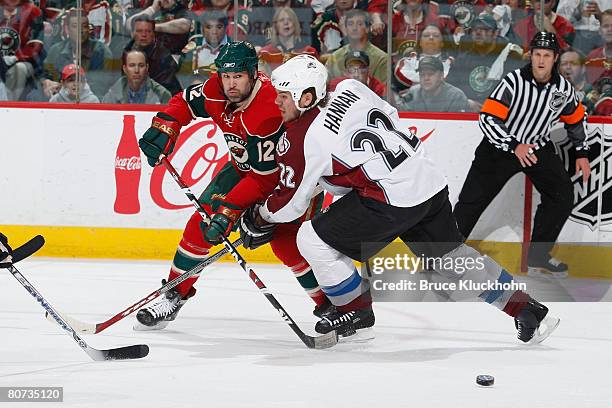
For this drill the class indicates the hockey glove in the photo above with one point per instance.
(6, 252)
(159, 138)
(254, 231)
(221, 224)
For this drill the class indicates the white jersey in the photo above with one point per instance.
(356, 143)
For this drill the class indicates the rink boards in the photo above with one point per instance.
(58, 180)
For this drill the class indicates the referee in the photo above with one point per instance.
(516, 120)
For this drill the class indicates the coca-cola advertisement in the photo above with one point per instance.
(198, 155)
(127, 170)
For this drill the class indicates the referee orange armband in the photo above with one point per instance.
(495, 108)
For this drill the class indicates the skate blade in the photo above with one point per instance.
(545, 273)
(550, 323)
(360, 336)
(141, 327)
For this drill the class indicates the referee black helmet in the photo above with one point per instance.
(545, 40)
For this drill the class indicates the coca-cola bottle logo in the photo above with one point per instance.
(127, 163)
(208, 153)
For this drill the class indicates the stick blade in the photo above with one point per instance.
(121, 353)
(78, 326)
(28, 249)
(324, 341)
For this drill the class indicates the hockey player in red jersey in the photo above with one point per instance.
(351, 143)
(241, 101)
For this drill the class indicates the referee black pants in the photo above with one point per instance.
(491, 170)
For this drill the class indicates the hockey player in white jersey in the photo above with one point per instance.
(350, 142)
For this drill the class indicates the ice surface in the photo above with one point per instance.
(229, 348)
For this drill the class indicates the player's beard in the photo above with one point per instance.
(240, 97)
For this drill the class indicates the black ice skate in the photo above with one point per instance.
(324, 309)
(356, 323)
(158, 315)
(551, 268)
(534, 324)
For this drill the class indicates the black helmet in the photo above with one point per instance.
(545, 40)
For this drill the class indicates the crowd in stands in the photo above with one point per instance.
(445, 56)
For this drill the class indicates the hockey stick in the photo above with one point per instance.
(91, 328)
(319, 342)
(121, 353)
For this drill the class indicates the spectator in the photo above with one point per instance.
(172, 23)
(71, 87)
(601, 58)
(584, 16)
(121, 36)
(356, 26)
(571, 66)
(482, 59)
(328, 28)
(410, 19)
(357, 64)
(52, 11)
(136, 87)
(22, 46)
(603, 107)
(553, 23)
(163, 66)
(286, 41)
(433, 94)
(430, 44)
(95, 56)
(99, 16)
(262, 13)
(239, 19)
(202, 49)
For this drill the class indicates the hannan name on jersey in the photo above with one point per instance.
(337, 108)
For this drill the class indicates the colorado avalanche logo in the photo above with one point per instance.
(593, 199)
(557, 101)
(283, 145)
(9, 41)
(238, 150)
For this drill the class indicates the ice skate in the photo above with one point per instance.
(534, 324)
(356, 325)
(324, 309)
(551, 268)
(158, 315)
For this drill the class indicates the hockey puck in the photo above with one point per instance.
(485, 380)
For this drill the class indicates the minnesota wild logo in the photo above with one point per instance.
(238, 150)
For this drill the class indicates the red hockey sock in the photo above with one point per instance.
(515, 304)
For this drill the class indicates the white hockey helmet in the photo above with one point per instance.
(299, 74)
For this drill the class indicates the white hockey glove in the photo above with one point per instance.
(6, 252)
(9, 60)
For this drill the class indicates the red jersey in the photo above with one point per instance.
(374, 84)
(274, 56)
(526, 29)
(25, 29)
(596, 63)
(251, 130)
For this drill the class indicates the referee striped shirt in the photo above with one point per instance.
(521, 110)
